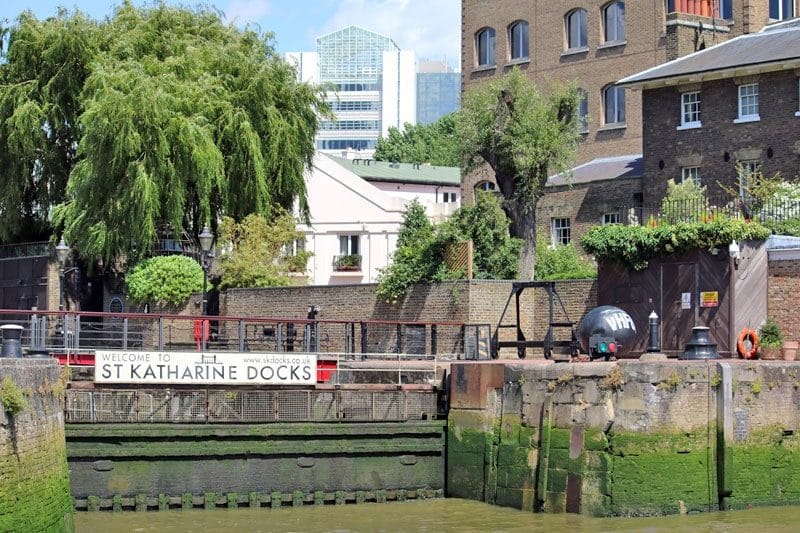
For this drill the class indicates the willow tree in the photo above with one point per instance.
(522, 137)
(172, 120)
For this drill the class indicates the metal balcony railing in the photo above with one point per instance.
(347, 263)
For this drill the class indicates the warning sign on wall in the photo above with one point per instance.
(709, 299)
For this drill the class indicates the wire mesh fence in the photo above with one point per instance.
(238, 406)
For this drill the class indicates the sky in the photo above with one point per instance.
(432, 28)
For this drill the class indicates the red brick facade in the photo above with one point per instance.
(784, 286)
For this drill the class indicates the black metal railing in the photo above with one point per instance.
(347, 263)
(702, 210)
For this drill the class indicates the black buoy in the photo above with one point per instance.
(700, 346)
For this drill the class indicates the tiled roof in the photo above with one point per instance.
(776, 47)
(371, 170)
(602, 168)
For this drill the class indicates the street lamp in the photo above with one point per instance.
(206, 239)
(62, 253)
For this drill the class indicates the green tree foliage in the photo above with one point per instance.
(164, 280)
(634, 246)
(522, 136)
(562, 262)
(432, 143)
(259, 253)
(684, 202)
(156, 117)
(419, 256)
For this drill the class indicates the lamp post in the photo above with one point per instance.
(62, 253)
(206, 239)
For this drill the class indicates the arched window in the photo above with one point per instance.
(614, 22)
(583, 110)
(614, 104)
(485, 186)
(518, 39)
(484, 46)
(576, 29)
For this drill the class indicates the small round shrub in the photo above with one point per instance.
(165, 280)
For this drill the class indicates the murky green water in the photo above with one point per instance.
(432, 515)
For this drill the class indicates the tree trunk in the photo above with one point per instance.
(523, 226)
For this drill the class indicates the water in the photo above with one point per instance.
(427, 516)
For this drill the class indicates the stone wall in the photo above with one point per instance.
(625, 438)
(34, 481)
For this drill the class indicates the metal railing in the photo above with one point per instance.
(699, 210)
(236, 406)
(345, 263)
(69, 332)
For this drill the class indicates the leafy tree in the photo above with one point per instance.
(164, 280)
(684, 202)
(522, 137)
(156, 117)
(259, 253)
(420, 249)
(432, 143)
(562, 262)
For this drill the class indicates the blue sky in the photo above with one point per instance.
(429, 27)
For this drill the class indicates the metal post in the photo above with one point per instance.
(654, 343)
(433, 339)
(364, 340)
(241, 335)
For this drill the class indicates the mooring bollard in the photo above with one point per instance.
(11, 341)
(654, 344)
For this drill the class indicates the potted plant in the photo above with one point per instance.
(789, 350)
(771, 339)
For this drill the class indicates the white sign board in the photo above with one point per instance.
(686, 300)
(205, 368)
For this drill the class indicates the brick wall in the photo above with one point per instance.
(34, 481)
(772, 140)
(783, 285)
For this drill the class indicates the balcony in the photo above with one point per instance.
(347, 263)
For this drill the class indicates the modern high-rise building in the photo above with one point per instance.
(372, 87)
(438, 90)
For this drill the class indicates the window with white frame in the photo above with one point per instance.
(614, 105)
(726, 9)
(560, 231)
(295, 247)
(690, 110)
(690, 174)
(349, 244)
(576, 29)
(485, 186)
(583, 110)
(781, 9)
(448, 197)
(748, 170)
(484, 47)
(614, 22)
(609, 218)
(518, 40)
(748, 102)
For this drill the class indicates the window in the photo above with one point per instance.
(561, 233)
(614, 102)
(609, 218)
(748, 102)
(747, 171)
(797, 113)
(484, 47)
(690, 173)
(614, 22)
(583, 111)
(781, 9)
(576, 29)
(448, 197)
(518, 40)
(348, 244)
(726, 9)
(690, 110)
(485, 186)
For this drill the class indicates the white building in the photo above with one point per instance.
(357, 209)
(374, 87)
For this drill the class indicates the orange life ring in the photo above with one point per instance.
(752, 336)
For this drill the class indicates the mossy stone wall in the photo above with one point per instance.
(34, 480)
(630, 438)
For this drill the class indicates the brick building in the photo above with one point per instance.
(735, 102)
(597, 43)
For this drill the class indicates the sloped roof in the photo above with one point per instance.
(776, 47)
(371, 170)
(602, 168)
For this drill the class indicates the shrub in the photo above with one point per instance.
(771, 335)
(165, 280)
(12, 398)
(561, 262)
(684, 202)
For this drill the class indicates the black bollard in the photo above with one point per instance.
(654, 344)
(11, 341)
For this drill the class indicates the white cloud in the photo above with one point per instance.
(242, 12)
(432, 28)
